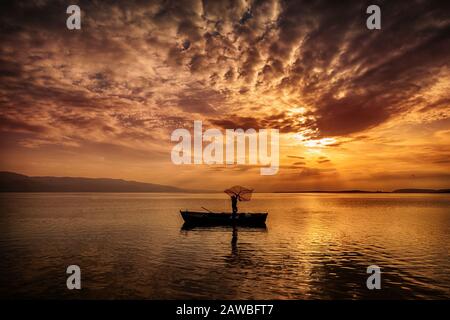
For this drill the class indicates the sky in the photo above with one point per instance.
(356, 108)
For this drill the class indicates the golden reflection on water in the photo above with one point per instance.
(315, 246)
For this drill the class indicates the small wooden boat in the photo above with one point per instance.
(223, 218)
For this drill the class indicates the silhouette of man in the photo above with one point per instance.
(234, 200)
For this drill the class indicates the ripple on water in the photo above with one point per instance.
(314, 247)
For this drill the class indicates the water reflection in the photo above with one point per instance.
(131, 246)
(242, 255)
(187, 227)
(234, 239)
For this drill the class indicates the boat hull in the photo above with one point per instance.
(224, 218)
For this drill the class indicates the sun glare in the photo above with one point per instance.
(319, 143)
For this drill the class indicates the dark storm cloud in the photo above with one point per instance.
(203, 101)
(386, 67)
(230, 62)
(281, 121)
(9, 124)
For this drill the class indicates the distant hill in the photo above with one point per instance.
(339, 191)
(422, 191)
(363, 191)
(350, 191)
(14, 182)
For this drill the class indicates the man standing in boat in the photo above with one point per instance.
(238, 193)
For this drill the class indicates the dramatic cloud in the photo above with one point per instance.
(138, 69)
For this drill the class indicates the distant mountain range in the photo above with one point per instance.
(364, 191)
(14, 182)
(422, 191)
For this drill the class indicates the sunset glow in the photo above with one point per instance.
(355, 108)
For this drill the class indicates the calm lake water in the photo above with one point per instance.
(315, 246)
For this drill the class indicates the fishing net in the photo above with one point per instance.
(242, 193)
